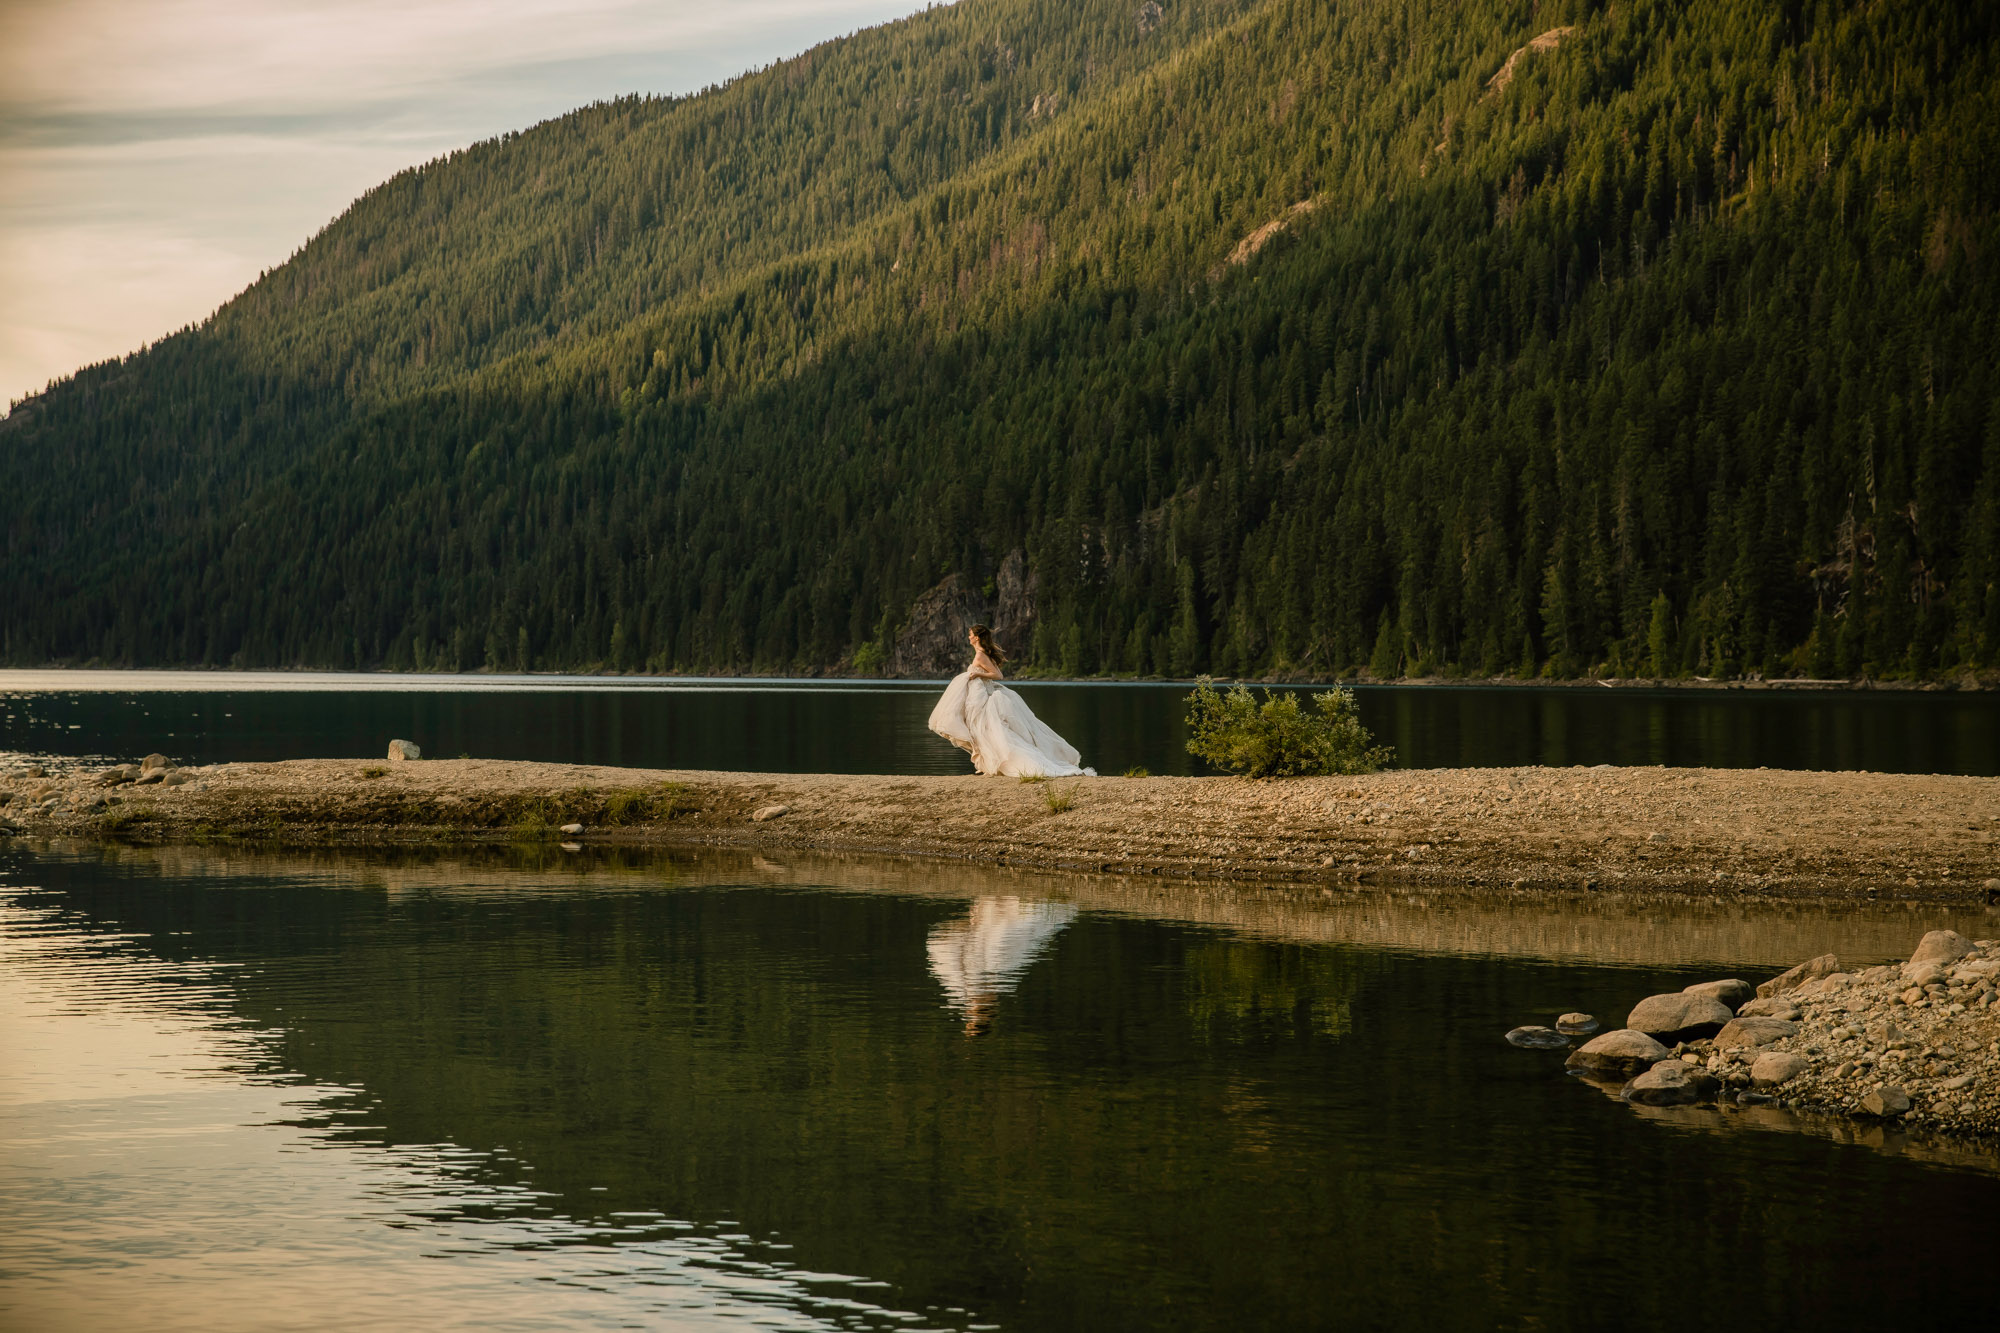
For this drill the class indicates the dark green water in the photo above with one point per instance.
(684, 1094)
(879, 726)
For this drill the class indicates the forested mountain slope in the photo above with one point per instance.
(1279, 336)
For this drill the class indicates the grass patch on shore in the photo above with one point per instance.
(1059, 799)
(538, 818)
(534, 828)
(648, 805)
(127, 819)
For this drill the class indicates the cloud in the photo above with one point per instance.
(156, 155)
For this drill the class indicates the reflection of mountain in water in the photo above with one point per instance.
(982, 955)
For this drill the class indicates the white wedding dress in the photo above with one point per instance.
(1002, 734)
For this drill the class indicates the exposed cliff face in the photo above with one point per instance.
(932, 641)
(1014, 615)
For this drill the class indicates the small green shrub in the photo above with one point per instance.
(1027, 778)
(1277, 738)
(1137, 772)
(1059, 799)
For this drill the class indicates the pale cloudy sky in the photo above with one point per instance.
(156, 155)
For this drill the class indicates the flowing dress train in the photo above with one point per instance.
(1002, 734)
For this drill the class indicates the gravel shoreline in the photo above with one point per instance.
(1705, 831)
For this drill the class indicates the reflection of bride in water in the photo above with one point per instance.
(980, 956)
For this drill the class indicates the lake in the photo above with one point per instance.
(517, 1089)
(879, 726)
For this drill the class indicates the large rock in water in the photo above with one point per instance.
(1940, 948)
(1753, 1032)
(1681, 1015)
(1732, 992)
(1812, 969)
(1537, 1038)
(1619, 1054)
(1671, 1083)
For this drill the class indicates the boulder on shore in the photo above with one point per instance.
(1940, 948)
(1679, 1015)
(405, 750)
(1620, 1054)
(1810, 970)
(1777, 1006)
(1753, 1032)
(1733, 992)
(1886, 1101)
(1774, 1068)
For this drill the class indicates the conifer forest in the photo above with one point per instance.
(1267, 338)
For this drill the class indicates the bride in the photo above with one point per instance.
(992, 723)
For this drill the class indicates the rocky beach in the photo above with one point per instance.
(1916, 1042)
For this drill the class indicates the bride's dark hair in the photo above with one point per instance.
(984, 634)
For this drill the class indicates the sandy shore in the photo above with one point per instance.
(1700, 831)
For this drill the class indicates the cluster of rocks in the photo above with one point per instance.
(153, 768)
(1917, 1041)
(53, 791)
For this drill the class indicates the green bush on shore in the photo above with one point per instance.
(1277, 738)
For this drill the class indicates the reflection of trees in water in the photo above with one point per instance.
(1238, 992)
(982, 955)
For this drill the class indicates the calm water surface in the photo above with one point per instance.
(879, 726)
(498, 1092)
